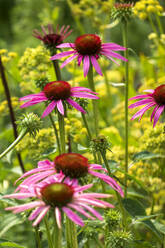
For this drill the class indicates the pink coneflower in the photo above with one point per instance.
(154, 98)
(87, 49)
(61, 196)
(72, 165)
(58, 92)
(52, 38)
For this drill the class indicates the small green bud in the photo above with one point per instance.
(112, 218)
(118, 239)
(122, 11)
(100, 144)
(30, 122)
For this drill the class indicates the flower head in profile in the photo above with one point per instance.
(56, 93)
(87, 49)
(71, 165)
(154, 98)
(52, 38)
(60, 195)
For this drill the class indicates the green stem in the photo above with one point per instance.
(56, 133)
(50, 243)
(57, 70)
(62, 131)
(86, 125)
(38, 239)
(57, 236)
(18, 139)
(152, 24)
(125, 41)
(71, 234)
(123, 212)
(106, 163)
(94, 102)
(98, 242)
(159, 24)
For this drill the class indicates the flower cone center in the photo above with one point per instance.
(159, 94)
(57, 90)
(52, 39)
(88, 44)
(57, 194)
(73, 165)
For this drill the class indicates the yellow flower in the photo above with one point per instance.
(12, 54)
(3, 51)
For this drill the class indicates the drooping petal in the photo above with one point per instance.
(41, 215)
(49, 109)
(141, 102)
(84, 95)
(61, 55)
(80, 210)
(68, 60)
(142, 111)
(150, 91)
(30, 103)
(109, 57)
(140, 96)
(93, 211)
(60, 107)
(115, 55)
(58, 217)
(96, 65)
(82, 188)
(157, 114)
(32, 96)
(77, 89)
(79, 59)
(113, 46)
(63, 45)
(23, 207)
(86, 64)
(76, 105)
(74, 217)
(35, 213)
(154, 111)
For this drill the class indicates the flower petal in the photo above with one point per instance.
(76, 105)
(63, 45)
(41, 215)
(86, 64)
(96, 65)
(49, 109)
(58, 217)
(68, 60)
(141, 102)
(74, 217)
(61, 55)
(84, 95)
(157, 114)
(142, 111)
(60, 107)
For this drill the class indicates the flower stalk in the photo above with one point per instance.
(56, 133)
(50, 243)
(125, 41)
(71, 234)
(57, 236)
(11, 111)
(95, 105)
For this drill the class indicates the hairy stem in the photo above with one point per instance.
(11, 111)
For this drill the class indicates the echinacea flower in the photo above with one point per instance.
(61, 196)
(87, 49)
(58, 92)
(72, 165)
(154, 98)
(52, 38)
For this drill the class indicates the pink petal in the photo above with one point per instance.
(84, 95)
(154, 111)
(30, 103)
(115, 55)
(61, 55)
(140, 96)
(82, 188)
(76, 105)
(157, 114)
(68, 60)
(109, 57)
(21, 208)
(41, 215)
(96, 65)
(60, 107)
(49, 109)
(58, 217)
(74, 217)
(77, 89)
(80, 210)
(80, 57)
(63, 45)
(35, 213)
(113, 46)
(142, 111)
(86, 64)
(93, 211)
(150, 91)
(141, 102)
(32, 96)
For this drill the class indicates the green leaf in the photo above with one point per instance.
(159, 226)
(9, 244)
(144, 155)
(136, 210)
